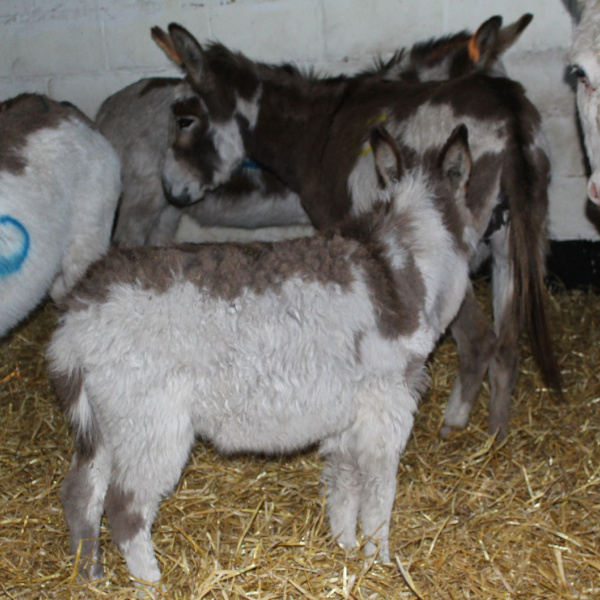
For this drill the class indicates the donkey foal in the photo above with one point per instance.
(263, 348)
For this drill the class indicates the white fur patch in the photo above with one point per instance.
(230, 149)
(362, 184)
(250, 108)
(431, 126)
(65, 200)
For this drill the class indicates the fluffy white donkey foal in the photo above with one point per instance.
(264, 347)
(59, 187)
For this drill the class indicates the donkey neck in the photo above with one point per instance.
(291, 136)
(292, 126)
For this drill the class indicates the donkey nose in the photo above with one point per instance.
(179, 200)
(593, 192)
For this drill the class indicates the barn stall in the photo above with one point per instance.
(472, 518)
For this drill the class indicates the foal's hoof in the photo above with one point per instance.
(447, 430)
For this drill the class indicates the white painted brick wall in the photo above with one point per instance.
(84, 50)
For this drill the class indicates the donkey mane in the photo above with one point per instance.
(421, 53)
(226, 60)
(436, 48)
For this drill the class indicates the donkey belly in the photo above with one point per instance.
(252, 374)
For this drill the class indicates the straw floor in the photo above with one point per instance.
(472, 519)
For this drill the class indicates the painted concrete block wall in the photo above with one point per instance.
(83, 50)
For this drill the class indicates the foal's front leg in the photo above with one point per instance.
(341, 477)
(381, 434)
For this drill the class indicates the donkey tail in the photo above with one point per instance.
(526, 181)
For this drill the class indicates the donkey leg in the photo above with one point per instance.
(142, 201)
(340, 474)
(376, 502)
(151, 460)
(164, 227)
(82, 495)
(475, 342)
(504, 366)
(131, 517)
(504, 372)
(382, 431)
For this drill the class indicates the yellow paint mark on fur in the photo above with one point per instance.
(366, 149)
(372, 121)
(377, 119)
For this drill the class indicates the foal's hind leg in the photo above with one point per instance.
(82, 495)
(475, 341)
(131, 515)
(151, 460)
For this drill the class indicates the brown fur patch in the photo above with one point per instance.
(222, 270)
(484, 176)
(24, 115)
(76, 493)
(225, 270)
(397, 295)
(125, 523)
(67, 387)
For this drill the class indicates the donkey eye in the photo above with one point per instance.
(582, 78)
(185, 122)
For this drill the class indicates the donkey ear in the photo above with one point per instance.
(511, 33)
(575, 7)
(388, 159)
(483, 42)
(189, 52)
(455, 159)
(163, 40)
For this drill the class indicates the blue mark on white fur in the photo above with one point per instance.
(14, 245)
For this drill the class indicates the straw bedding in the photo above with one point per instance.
(472, 518)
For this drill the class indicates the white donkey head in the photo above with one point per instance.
(584, 56)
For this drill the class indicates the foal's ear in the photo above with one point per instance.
(455, 159)
(508, 35)
(483, 42)
(387, 155)
(185, 50)
(163, 41)
(489, 41)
